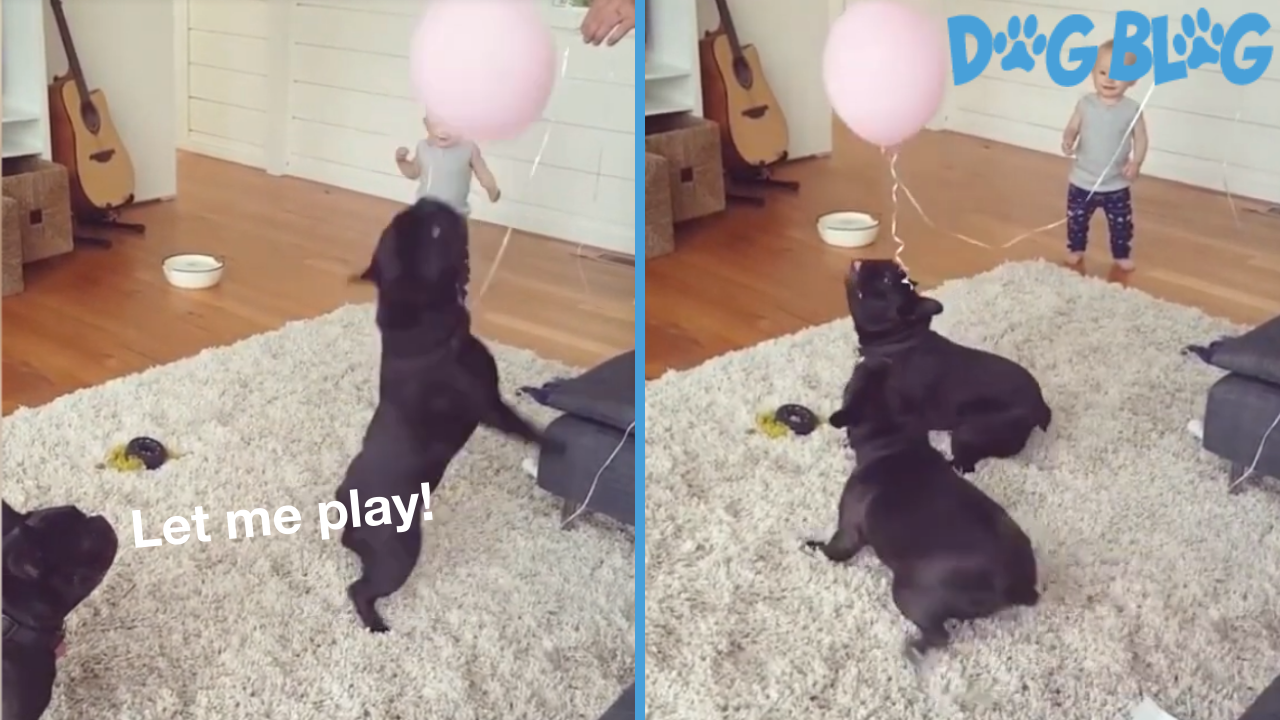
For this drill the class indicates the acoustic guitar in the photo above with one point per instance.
(84, 138)
(738, 98)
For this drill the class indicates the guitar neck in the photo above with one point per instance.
(726, 24)
(73, 58)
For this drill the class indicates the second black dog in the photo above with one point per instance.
(955, 554)
(54, 558)
(438, 383)
(988, 403)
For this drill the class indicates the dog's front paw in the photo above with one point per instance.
(964, 467)
(379, 628)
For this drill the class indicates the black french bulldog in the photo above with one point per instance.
(54, 558)
(988, 403)
(955, 554)
(437, 384)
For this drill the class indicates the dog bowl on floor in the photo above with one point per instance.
(848, 229)
(193, 271)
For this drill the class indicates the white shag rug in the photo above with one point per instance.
(506, 615)
(1156, 582)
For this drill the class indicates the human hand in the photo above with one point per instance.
(1131, 170)
(402, 154)
(609, 20)
(494, 193)
(1068, 145)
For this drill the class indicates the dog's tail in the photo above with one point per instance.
(1045, 416)
(1027, 596)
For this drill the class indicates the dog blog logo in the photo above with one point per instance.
(1194, 42)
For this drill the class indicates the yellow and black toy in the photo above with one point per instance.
(789, 419)
(140, 453)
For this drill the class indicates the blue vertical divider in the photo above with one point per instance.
(640, 36)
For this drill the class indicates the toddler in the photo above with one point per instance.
(1097, 129)
(443, 165)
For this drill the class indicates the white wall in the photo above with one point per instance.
(320, 89)
(224, 55)
(1191, 121)
(789, 37)
(126, 50)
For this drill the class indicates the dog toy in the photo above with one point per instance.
(140, 453)
(790, 418)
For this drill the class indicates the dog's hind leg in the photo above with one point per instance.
(927, 608)
(384, 571)
(998, 435)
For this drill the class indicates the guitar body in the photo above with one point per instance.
(736, 96)
(98, 164)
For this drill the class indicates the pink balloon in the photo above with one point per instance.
(885, 69)
(483, 68)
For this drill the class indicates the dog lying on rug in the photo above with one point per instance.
(437, 384)
(988, 403)
(955, 554)
(54, 558)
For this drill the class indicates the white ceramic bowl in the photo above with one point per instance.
(193, 271)
(848, 229)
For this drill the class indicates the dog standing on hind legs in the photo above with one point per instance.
(955, 554)
(437, 384)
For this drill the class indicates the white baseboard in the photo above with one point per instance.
(523, 217)
(526, 218)
(223, 149)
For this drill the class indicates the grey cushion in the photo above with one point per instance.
(1267, 705)
(606, 393)
(624, 708)
(1256, 354)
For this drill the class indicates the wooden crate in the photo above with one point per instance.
(659, 224)
(43, 192)
(691, 146)
(11, 279)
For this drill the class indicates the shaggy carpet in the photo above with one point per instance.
(1156, 582)
(506, 615)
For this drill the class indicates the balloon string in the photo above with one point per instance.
(893, 217)
(897, 183)
(533, 170)
(1226, 186)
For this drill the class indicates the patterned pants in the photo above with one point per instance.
(1118, 207)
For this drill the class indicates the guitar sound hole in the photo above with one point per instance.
(35, 218)
(742, 73)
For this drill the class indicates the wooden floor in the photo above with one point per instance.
(752, 274)
(290, 247)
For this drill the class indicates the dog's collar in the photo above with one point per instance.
(21, 633)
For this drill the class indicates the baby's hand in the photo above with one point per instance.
(1131, 170)
(402, 154)
(1068, 145)
(494, 193)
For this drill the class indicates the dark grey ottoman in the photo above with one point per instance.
(1267, 706)
(624, 708)
(1243, 406)
(596, 440)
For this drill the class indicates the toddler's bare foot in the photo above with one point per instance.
(1126, 265)
(1074, 259)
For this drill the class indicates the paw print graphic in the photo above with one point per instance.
(1018, 56)
(1203, 52)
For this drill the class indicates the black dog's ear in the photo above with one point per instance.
(370, 274)
(925, 308)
